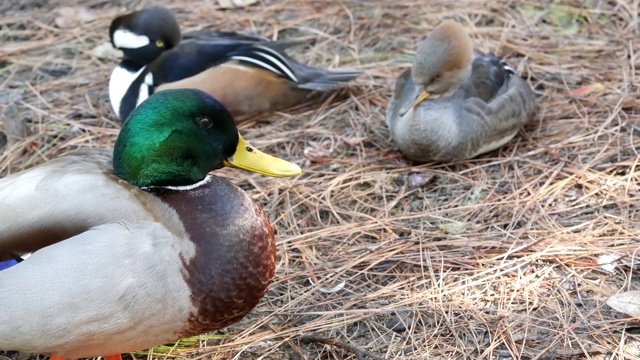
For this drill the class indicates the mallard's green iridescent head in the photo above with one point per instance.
(176, 137)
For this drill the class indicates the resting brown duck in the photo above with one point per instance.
(454, 104)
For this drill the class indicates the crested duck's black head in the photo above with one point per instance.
(143, 35)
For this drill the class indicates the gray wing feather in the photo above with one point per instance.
(59, 299)
(490, 125)
(63, 198)
(517, 102)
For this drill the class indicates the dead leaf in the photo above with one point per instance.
(315, 151)
(234, 4)
(626, 302)
(454, 228)
(563, 20)
(334, 289)
(417, 180)
(106, 51)
(353, 141)
(585, 90)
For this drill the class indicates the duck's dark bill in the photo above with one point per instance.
(249, 158)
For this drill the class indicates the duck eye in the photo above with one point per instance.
(159, 43)
(205, 122)
(436, 78)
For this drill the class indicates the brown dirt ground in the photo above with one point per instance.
(492, 258)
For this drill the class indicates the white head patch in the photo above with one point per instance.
(126, 39)
(119, 83)
(149, 79)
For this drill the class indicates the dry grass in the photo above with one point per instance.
(493, 258)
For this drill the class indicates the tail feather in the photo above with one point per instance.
(209, 35)
(282, 45)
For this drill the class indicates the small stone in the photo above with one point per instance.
(14, 125)
(234, 4)
(454, 228)
(417, 180)
(399, 323)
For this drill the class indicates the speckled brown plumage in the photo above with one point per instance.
(235, 253)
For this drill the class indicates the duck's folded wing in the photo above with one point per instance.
(509, 100)
(272, 57)
(517, 100)
(60, 199)
(108, 287)
(222, 36)
(491, 125)
(201, 53)
(488, 76)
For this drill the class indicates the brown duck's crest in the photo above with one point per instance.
(234, 258)
(456, 38)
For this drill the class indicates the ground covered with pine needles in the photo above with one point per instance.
(499, 257)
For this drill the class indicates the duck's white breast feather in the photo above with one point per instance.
(120, 81)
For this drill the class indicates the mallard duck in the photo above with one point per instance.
(138, 247)
(248, 74)
(453, 104)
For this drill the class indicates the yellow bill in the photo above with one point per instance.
(249, 158)
(422, 96)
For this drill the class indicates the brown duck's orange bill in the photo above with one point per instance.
(422, 96)
(249, 158)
